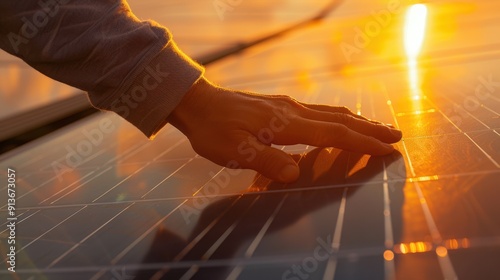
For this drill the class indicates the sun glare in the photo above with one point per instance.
(414, 33)
(416, 18)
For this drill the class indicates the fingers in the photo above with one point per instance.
(342, 110)
(272, 163)
(329, 134)
(334, 109)
(360, 125)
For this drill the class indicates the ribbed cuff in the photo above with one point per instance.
(157, 90)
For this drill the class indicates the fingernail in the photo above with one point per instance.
(390, 125)
(289, 173)
(396, 132)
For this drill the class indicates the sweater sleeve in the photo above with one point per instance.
(126, 65)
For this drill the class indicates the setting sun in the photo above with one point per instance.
(414, 31)
(416, 18)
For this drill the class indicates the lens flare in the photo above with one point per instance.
(414, 33)
(416, 18)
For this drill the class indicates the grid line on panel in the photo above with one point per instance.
(209, 180)
(107, 146)
(133, 151)
(52, 228)
(331, 265)
(40, 156)
(258, 238)
(19, 179)
(87, 159)
(389, 237)
(139, 239)
(483, 105)
(466, 134)
(171, 148)
(445, 134)
(80, 184)
(167, 177)
(54, 262)
(444, 261)
(483, 151)
(63, 137)
(195, 240)
(409, 179)
(45, 183)
(56, 176)
(206, 256)
(22, 220)
(490, 110)
(113, 187)
(226, 233)
(130, 152)
(32, 160)
(482, 242)
(202, 234)
(363, 71)
(162, 160)
(38, 172)
(389, 266)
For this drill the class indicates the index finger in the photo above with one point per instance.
(328, 134)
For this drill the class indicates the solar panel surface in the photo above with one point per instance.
(129, 207)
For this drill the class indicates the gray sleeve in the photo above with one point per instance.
(126, 65)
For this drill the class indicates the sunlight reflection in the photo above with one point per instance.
(414, 31)
(388, 255)
(457, 243)
(441, 251)
(423, 246)
(414, 247)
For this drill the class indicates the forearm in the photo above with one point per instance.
(126, 65)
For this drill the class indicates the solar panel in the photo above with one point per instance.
(133, 208)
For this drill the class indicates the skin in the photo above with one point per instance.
(225, 125)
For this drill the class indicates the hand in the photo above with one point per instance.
(236, 129)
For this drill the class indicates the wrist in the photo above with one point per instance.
(193, 105)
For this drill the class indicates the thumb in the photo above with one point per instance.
(274, 164)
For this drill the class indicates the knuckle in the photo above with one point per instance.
(344, 110)
(344, 119)
(288, 101)
(284, 97)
